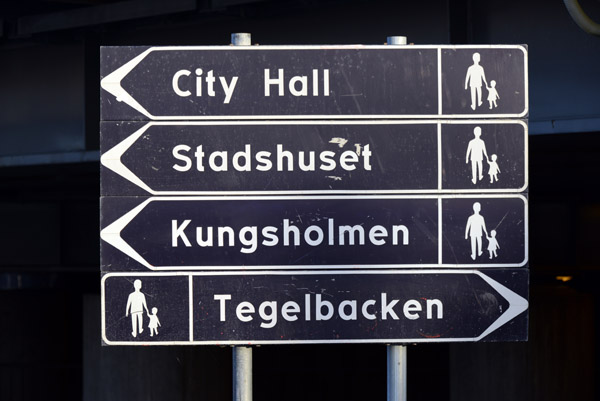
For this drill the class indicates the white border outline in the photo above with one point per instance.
(439, 161)
(517, 305)
(112, 82)
(191, 306)
(112, 234)
(111, 159)
(439, 77)
(440, 233)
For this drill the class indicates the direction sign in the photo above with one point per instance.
(258, 82)
(314, 307)
(302, 157)
(240, 233)
(336, 165)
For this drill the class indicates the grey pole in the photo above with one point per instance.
(396, 373)
(242, 356)
(396, 354)
(241, 39)
(242, 373)
(396, 40)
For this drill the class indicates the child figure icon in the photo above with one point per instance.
(493, 245)
(154, 322)
(492, 94)
(494, 169)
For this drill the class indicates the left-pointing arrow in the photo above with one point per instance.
(112, 159)
(112, 234)
(112, 83)
(312, 232)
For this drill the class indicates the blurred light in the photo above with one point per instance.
(564, 279)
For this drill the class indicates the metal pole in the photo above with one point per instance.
(396, 373)
(241, 39)
(242, 373)
(242, 356)
(396, 354)
(396, 40)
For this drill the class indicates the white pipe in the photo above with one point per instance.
(396, 40)
(242, 373)
(396, 372)
(241, 39)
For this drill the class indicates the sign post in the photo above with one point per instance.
(314, 194)
(242, 356)
(396, 354)
(397, 369)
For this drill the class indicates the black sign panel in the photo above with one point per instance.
(313, 232)
(317, 158)
(320, 307)
(491, 81)
(481, 156)
(130, 302)
(191, 83)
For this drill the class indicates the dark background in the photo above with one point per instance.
(49, 190)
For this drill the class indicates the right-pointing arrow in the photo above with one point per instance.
(517, 305)
(398, 306)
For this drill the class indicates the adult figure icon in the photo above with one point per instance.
(475, 152)
(475, 229)
(136, 303)
(475, 79)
